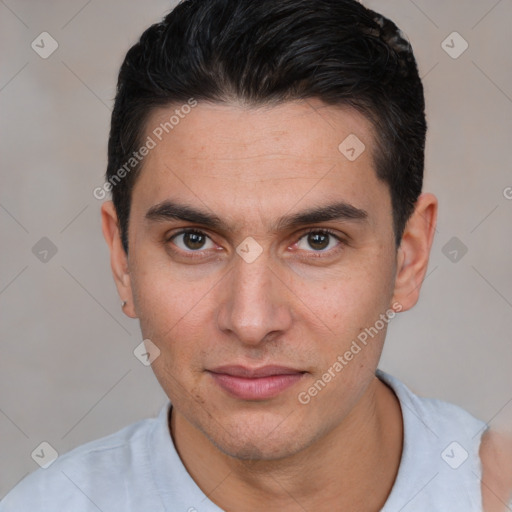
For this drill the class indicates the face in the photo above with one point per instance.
(258, 253)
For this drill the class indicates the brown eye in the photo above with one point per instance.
(192, 241)
(319, 241)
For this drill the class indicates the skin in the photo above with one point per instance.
(295, 305)
(496, 457)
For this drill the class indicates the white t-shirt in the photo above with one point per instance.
(138, 469)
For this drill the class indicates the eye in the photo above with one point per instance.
(318, 240)
(192, 241)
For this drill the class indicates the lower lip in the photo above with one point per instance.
(261, 388)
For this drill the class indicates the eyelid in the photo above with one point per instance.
(184, 231)
(321, 230)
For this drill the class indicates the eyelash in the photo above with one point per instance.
(315, 254)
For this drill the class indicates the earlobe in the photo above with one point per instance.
(118, 257)
(414, 251)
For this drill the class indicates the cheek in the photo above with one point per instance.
(171, 311)
(351, 343)
(350, 298)
(172, 316)
(166, 294)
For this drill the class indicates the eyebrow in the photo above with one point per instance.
(342, 211)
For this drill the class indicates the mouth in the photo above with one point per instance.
(256, 384)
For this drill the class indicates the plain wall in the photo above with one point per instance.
(68, 373)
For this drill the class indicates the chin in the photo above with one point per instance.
(257, 449)
(261, 442)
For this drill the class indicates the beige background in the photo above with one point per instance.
(68, 374)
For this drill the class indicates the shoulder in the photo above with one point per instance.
(437, 416)
(440, 454)
(77, 480)
(496, 456)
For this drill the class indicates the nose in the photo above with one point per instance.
(255, 302)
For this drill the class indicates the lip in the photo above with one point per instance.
(255, 383)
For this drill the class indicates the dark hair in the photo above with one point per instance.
(266, 51)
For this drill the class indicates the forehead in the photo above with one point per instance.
(297, 129)
(261, 157)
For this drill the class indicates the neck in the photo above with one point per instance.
(353, 467)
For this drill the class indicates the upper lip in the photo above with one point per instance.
(252, 373)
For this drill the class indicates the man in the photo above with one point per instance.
(266, 164)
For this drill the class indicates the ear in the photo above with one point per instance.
(414, 251)
(118, 257)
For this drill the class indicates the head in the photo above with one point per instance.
(287, 140)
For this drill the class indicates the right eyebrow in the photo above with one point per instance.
(170, 210)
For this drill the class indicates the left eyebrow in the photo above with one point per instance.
(341, 211)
